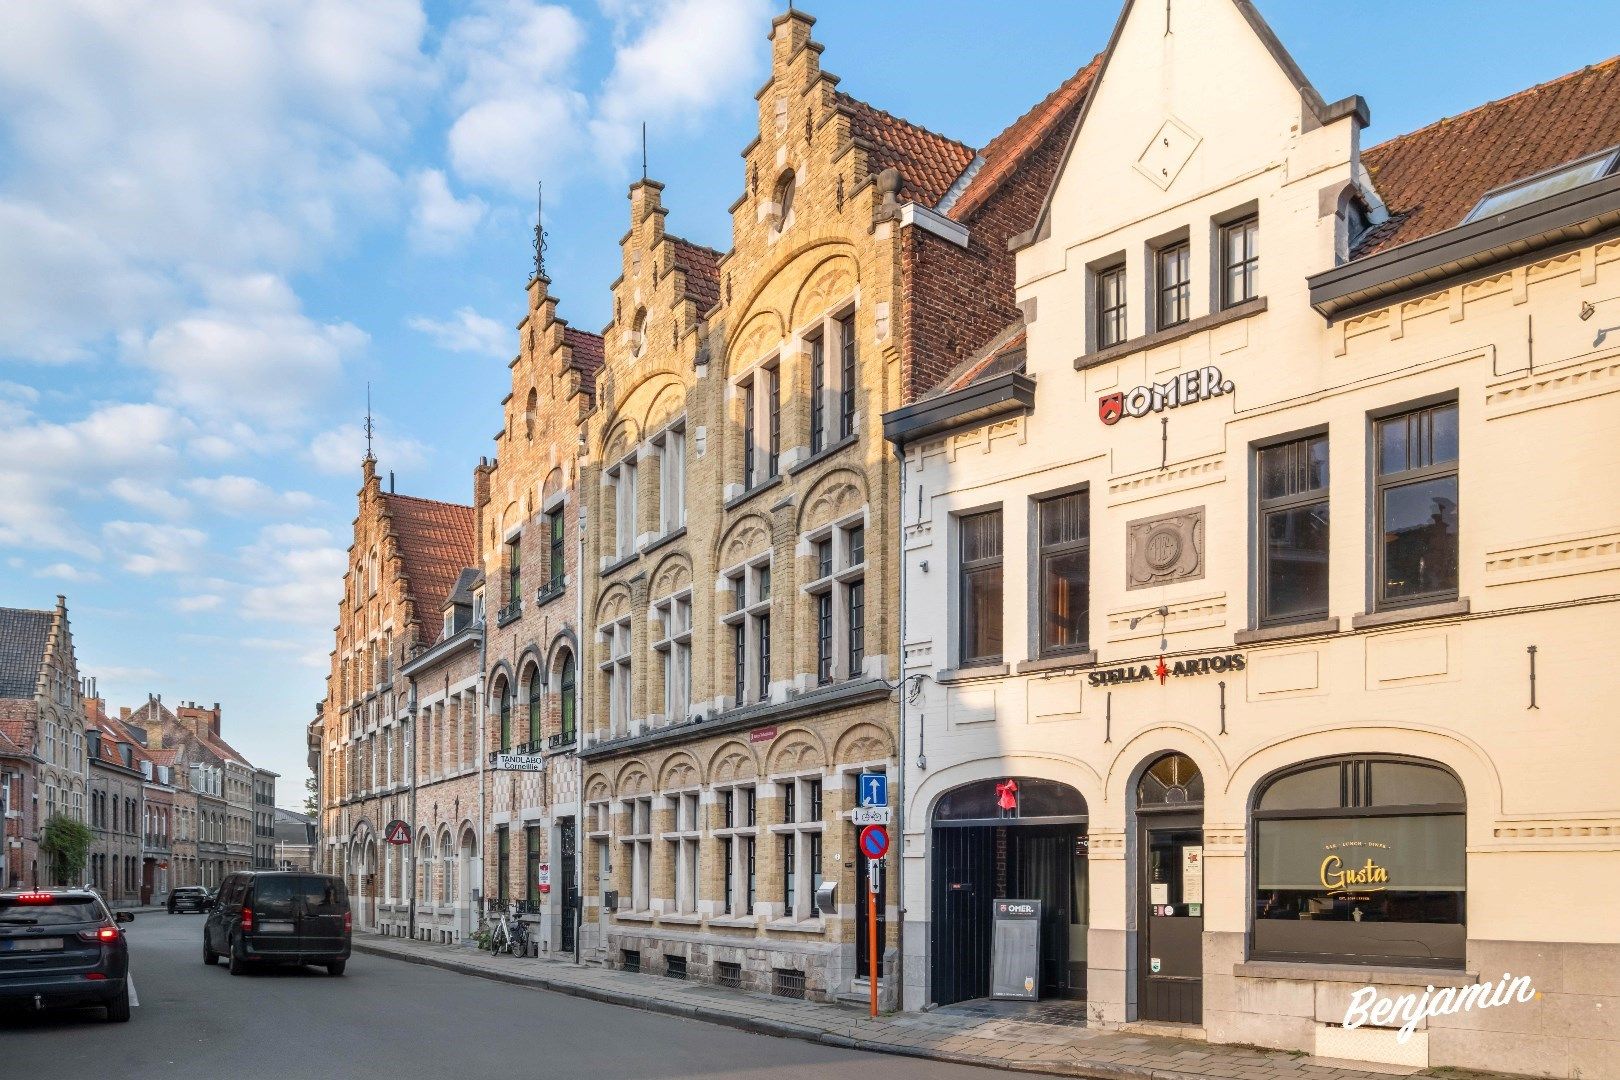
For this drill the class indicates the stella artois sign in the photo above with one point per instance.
(1199, 384)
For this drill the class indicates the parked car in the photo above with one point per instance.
(188, 898)
(62, 947)
(277, 917)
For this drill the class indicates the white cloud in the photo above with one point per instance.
(439, 220)
(150, 497)
(517, 116)
(245, 495)
(67, 572)
(200, 602)
(250, 352)
(144, 548)
(339, 451)
(301, 569)
(467, 332)
(675, 60)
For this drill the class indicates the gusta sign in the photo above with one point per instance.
(1199, 384)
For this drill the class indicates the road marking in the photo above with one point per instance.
(134, 998)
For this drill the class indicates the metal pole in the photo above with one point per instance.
(873, 868)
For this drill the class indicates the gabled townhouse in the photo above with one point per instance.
(1260, 574)
(530, 527)
(743, 662)
(117, 806)
(43, 766)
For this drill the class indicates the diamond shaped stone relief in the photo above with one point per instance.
(1168, 152)
(1163, 549)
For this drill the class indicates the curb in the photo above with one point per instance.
(776, 1028)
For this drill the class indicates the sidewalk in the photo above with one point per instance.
(991, 1037)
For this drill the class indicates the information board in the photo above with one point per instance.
(1015, 950)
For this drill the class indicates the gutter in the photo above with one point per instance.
(1567, 219)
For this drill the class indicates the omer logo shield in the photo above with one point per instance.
(1198, 384)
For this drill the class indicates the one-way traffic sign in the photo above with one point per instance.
(874, 789)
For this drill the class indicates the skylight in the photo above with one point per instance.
(1569, 175)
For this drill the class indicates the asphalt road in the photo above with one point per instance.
(393, 1021)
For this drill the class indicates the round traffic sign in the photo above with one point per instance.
(874, 841)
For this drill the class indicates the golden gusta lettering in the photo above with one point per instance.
(1370, 876)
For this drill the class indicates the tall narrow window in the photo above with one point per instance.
(818, 394)
(533, 856)
(503, 866)
(748, 434)
(672, 480)
(1065, 574)
(1111, 306)
(750, 623)
(622, 478)
(1293, 530)
(773, 388)
(1175, 284)
(1240, 259)
(514, 575)
(506, 717)
(838, 591)
(615, 669)
(675, 655)
(789, 866)
(981, 588)
(566, 706)
(534, 708)
(554, 534)
(824, 637)
(846, 396)
(855, 617)
(1416, 499)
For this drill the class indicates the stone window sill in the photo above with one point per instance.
(824, 453)
(797, 926)
(1058, 663)
(949, 676)
(1370, 620)
(1173, 333)
(763, 485)
(1314, 628)
(659, 541)
(748, 922)
(633, 916)
(619, 564)
(678, 918)
(1353, 973)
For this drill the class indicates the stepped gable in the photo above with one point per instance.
(1431, 178)
(435, 541)
(701, 265)
(24, 635)
(929, 163)
(587, 356)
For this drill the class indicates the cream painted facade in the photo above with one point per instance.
(1172, 145)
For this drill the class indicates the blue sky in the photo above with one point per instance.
(220, 220)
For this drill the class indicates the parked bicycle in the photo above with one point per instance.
(504, 932)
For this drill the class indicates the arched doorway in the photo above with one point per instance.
(464, 886)
(1170, 891)
(1011, 838)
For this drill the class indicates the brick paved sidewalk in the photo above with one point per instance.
(977, 1036)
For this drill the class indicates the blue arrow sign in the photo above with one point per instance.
(874, 789)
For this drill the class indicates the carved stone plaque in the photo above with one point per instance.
(1163, 549)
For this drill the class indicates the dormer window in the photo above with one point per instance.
(1532, 188)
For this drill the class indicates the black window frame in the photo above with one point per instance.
(1045, 554)
(1428, 471)
(1172, 296)
(847, 360)
(1248, 264)
(966, 569)
(855, 603)
(824, 638)
(1300, 498)
(555, 548)
(1112, 305)
(818, 393)
(773, 386)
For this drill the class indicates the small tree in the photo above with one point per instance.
(310, 806)
(66, 847)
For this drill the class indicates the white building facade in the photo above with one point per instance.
(1265, 606)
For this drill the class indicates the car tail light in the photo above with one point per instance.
(247, 918)
(35, 898)
(95, 976)
(105, 933)
(348, 922)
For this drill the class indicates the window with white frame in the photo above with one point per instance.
(833, 355)
(683, 850)
(761, 394)
(801, 844)
(838, 591)
(639, 842)
(622, 479)
(749, 625)
(738, 838)
(674, 647)
(616, 668)
(671, 447)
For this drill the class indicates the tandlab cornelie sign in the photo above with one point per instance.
(1199, 384)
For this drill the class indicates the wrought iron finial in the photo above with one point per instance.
(540, 230)
(370, 427)
(644, 149)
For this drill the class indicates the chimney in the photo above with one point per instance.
(123, 712)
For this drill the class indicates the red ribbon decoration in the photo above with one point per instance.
(1007, 794)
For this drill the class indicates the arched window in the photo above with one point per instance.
(1361, 860)
(784, 201)
(565, 704)
(534, 707)
(451, 865)
(506, 716)
(638, 333)
(1173, 780)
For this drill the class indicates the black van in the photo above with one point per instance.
(277, 917)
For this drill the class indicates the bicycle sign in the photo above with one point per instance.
(874, 841)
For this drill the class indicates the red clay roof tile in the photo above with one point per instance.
(929, 163)
(702, 268)
(587, 349)
(435, 541)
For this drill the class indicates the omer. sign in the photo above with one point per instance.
(1199, 384)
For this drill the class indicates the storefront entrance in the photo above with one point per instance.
(983, 849)
(1170, 892)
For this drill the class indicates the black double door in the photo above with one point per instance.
(568, 883)
(974, 865)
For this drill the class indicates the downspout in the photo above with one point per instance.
(580, 682)
(900, 763)
(410, 858)
(483, 749)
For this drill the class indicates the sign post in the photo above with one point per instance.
(874, 844)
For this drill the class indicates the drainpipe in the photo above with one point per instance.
(410, 858)
(483, 747)
(579, 699)
(899, 801)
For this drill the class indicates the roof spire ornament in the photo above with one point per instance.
(644, 149)
(539, 229)
(369, 428)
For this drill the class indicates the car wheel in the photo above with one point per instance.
(210, 957)
(335, 968)
(238, 965)
(118, 1008)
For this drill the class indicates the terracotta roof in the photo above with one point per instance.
(166, 756)
(24, 633)
(7, 744)
(587, 355)
(702, 268)
(435, 541)
(116, 733)
(1005, 352)
(222, 748)
(1003, 154)
(1431, 178)
(929, 163)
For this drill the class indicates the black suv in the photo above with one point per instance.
(188, 898)
(62, 947)
(277, 917)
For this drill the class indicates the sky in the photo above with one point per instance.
(221, 220)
